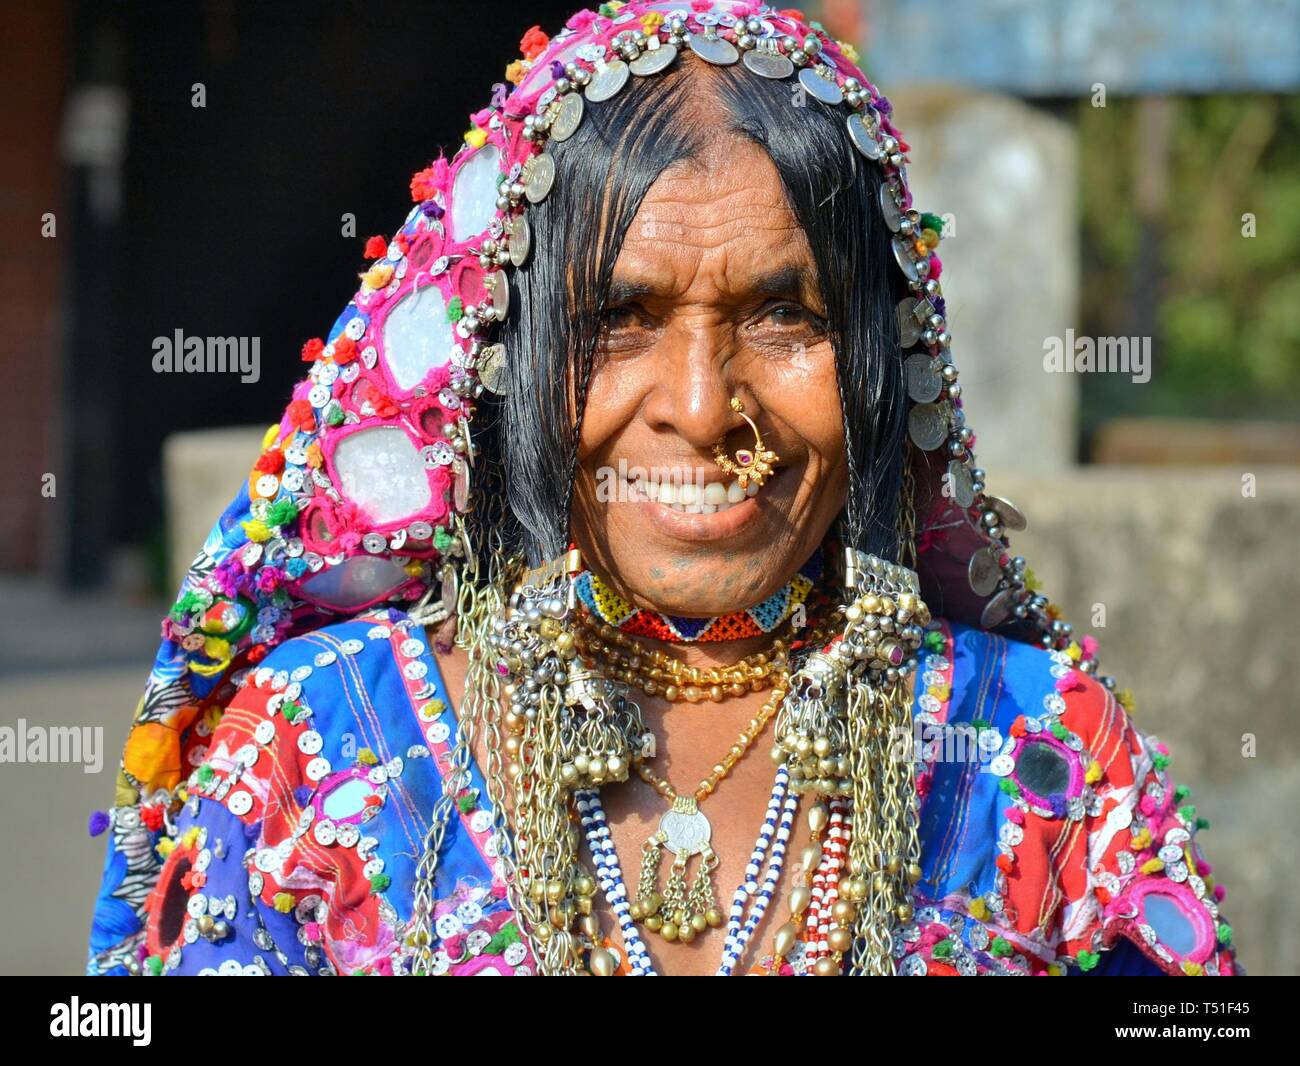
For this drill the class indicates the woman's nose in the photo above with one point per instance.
(692, 396)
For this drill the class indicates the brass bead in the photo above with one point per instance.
(839, 939)
(819, 817)
(786, 938)
(602, 962)
(827, 968)
(669, 931)
(799, 899)
(904, 911)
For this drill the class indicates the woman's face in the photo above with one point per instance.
(714, 295)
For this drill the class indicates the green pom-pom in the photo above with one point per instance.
(1224, 933)
(281, 513)
(1087, 960)
(943, 949)
(291, 709)
(508, 934)
(1202, 823)
(185, 606)
(442, 540)
(380, 883)
(1181, 793)
(467, 800)
(1009, 786)
(1187, 812)
(1160, 762)
(335, 416)
(154, 965)
(1000, 948)
(934, 222)
(934, 640)
(205, 774)
(455, 309)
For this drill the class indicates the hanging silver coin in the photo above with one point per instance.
(864, 139)
(685, 828)
(712, 49)
(1011, 515)
(821, 86)
(923, 380)
(890, 209)
(768, 64)
(539, 176)
(927, 425)
(961, 483)
(491, 366)
(498, 290)
(568, 117)
(606, 81)
(903, 254)
(460, 484)
(909, 329)
(653, 60)
(521, 239)
(984, 571)
(998, 609)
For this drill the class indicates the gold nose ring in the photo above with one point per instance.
(750, 464)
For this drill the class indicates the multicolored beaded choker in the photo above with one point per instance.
(609, 607)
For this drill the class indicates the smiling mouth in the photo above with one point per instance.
(691, 497)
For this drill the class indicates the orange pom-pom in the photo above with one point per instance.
(376, 248)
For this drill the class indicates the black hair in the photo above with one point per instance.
(603, 171)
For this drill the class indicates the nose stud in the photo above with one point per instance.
(750, 465)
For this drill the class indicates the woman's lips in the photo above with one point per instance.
(720, 525)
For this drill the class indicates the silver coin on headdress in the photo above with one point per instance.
(821, 86)
(521, 239)
(1008, 512)
(998, 609)
(567, 117)
(906, 262)
(606, 80)
(909, 329)
(713, 49)
(864, 140)
(985, 570)
(768, 64)
(491, 366)
(924, 381)
(927, 425)
(497, 287)
(653, 60)
(889, 208)
(538, 176)
(962, 483)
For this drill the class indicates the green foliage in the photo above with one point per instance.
(1162, 225)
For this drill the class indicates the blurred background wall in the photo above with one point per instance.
(1106, 170)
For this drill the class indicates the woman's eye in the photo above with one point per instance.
(615, 318)
(788, 315)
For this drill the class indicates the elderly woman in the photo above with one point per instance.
(638, 456)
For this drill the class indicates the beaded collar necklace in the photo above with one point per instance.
(609, 607)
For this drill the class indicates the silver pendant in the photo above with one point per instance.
(1008, 512)
(521, 239)
(962, 482)
(685, 830)
(491, 366)
(909, 329)
(903, 253)
(864, 140)
(985, 571)
(890, 209)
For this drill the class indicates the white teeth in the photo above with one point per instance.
(715, 492)
(668, 493)
(652, 489)
(708, 508)
(751, 489)
(735, 494)
(689, 493)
